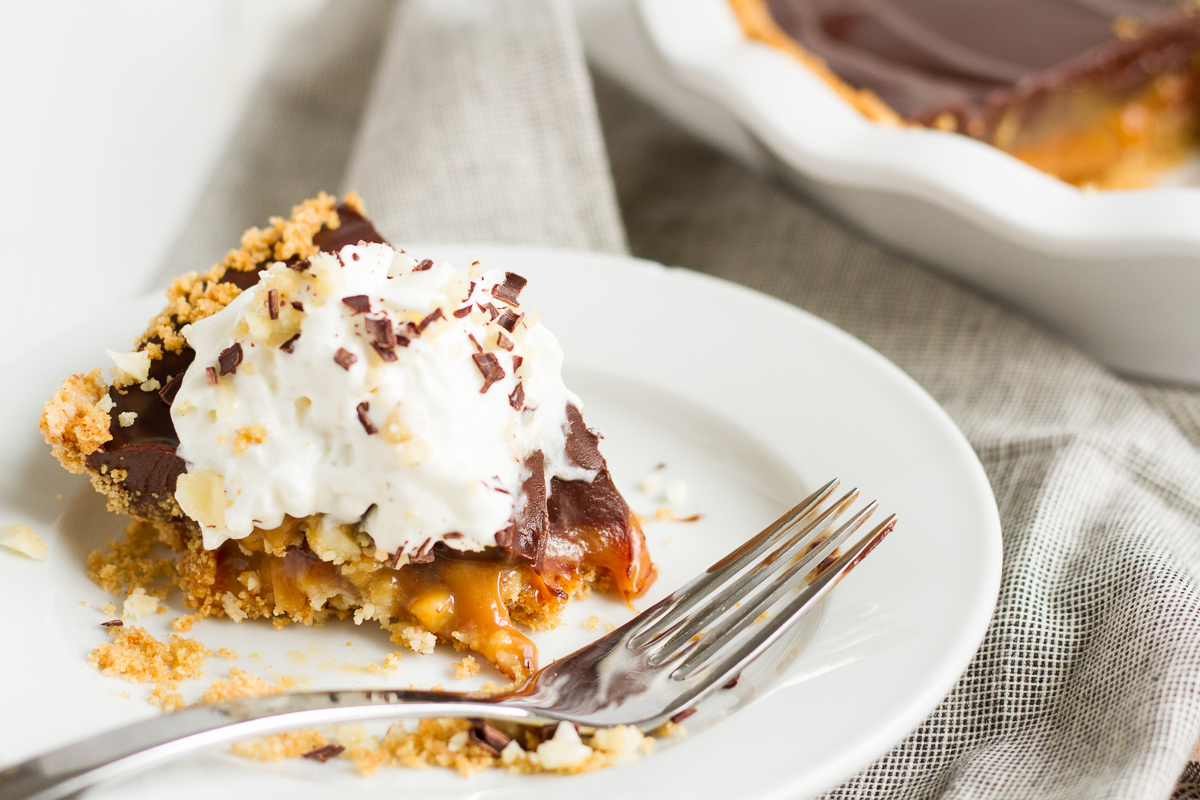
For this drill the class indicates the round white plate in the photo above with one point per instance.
(1117, 273)
(750, 402)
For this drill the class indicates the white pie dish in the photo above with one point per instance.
(748, 435)
(1116, 273)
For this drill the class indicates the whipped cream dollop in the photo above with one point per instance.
(399, 396)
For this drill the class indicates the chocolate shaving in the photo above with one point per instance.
(517, 362)
(488, 737)
(355, 255)
(211, 374)
(503, 341)
(430, 318)
(386, 353)
(508, 320)
(423, 265)
(507, 292)
(462, 312)
(273, 303)
(475, 342)
(682, 715)
(344, 358)
(491, 310)
(381, 332)
(112, 623)
(230, 358)
(403, 341)
(290, 344)
(359, 303)
(490, 369)
(168, 392)
(300, 266)
(325, 753)
(362, 410)
(452, 535)
(296, 304)
(423, 554)
(733, 682)
(517, 398)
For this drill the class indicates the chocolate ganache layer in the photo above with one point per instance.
(973, 59)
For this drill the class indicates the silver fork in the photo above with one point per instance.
(656, 667)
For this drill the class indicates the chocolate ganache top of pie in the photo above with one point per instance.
(925, 57)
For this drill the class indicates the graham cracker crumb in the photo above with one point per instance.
(110, 610)
(391, 662)
(183, 624)
(138, 657)
(416, 639)
(239, 684)
(276, 747)
(72, 424)
(247, 437)
(466, 668)
(591, 623)
(435, 742)
(128, 564)
(165, 699)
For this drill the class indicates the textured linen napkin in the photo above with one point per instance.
(466, 120)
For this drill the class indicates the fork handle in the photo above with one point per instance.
(78, 766)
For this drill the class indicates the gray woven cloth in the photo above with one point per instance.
(469, 120)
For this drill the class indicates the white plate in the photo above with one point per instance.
(748, 400)
(1118, 273)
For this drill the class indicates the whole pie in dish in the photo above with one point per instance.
(1098, 94)
(323, 426)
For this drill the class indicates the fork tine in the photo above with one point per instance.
(769, 592)
(772, 628)
(716, 605)
(669, 611)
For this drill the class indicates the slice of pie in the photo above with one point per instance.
(1103, 95)
(324, 426)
